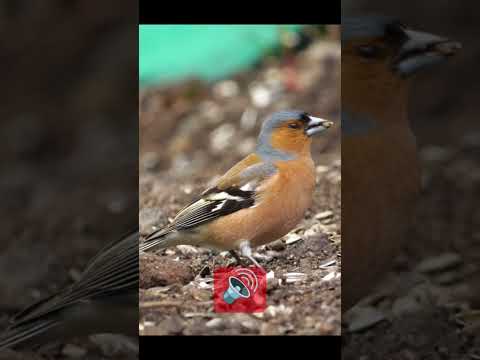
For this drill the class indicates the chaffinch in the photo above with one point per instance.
(103, 300)
(380, 171)
(258, 200)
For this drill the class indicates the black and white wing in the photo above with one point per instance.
(238, 193)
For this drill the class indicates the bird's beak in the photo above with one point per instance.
(421, 50)
(316, 125)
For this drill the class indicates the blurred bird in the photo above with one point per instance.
(380, 171)
(103, 300)
(258, 200)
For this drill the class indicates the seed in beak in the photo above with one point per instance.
(448, 48)
(316, 125)
(327, 124)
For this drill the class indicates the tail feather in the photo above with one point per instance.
(157, 239)
(26, 335)
(112, 272)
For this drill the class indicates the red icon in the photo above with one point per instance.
(240, 289)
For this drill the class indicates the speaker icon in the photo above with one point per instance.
(235, 290)
(241, 286)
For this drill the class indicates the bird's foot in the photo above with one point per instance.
(246, 251)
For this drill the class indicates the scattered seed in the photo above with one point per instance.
(292, 238)
(362, 318)
(439, 263)
(328, 264)
(324, 215)
(294, 277)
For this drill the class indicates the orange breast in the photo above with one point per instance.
(282, 204)
(380, 183)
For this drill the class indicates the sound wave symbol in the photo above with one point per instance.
(248, 277)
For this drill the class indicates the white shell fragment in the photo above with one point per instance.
(214, 323)
(74, 351)
(274, 310)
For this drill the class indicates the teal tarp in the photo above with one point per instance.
(210, 52)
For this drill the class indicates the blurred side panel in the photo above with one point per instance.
(68, 142)
(412, 271)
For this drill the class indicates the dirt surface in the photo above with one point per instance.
(192, 133)
(427, 306)
(68, 151)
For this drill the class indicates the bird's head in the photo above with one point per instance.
(379, 54)
(287, 134)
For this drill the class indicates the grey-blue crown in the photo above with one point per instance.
(264, 148)
(365, 26)
(278, 118)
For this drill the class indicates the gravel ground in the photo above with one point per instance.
(191, 133)
(427, 307)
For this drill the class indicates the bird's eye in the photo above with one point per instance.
(294, 126)
(369, 51)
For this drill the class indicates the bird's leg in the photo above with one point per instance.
(237, 258)
(213, 262)
(246, 251)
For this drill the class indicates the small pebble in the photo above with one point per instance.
(74, 351)
(435, 153)
(406, 305)
(187, 249)
(274, 310)
(362, 318)
(150, 161)
(249, 119)
(277, 245)
(226, 89)
(330, 276)
(321, 169)
(115, 346)
(261, 96)
(214, 323)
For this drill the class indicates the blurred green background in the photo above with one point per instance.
(169, 53)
